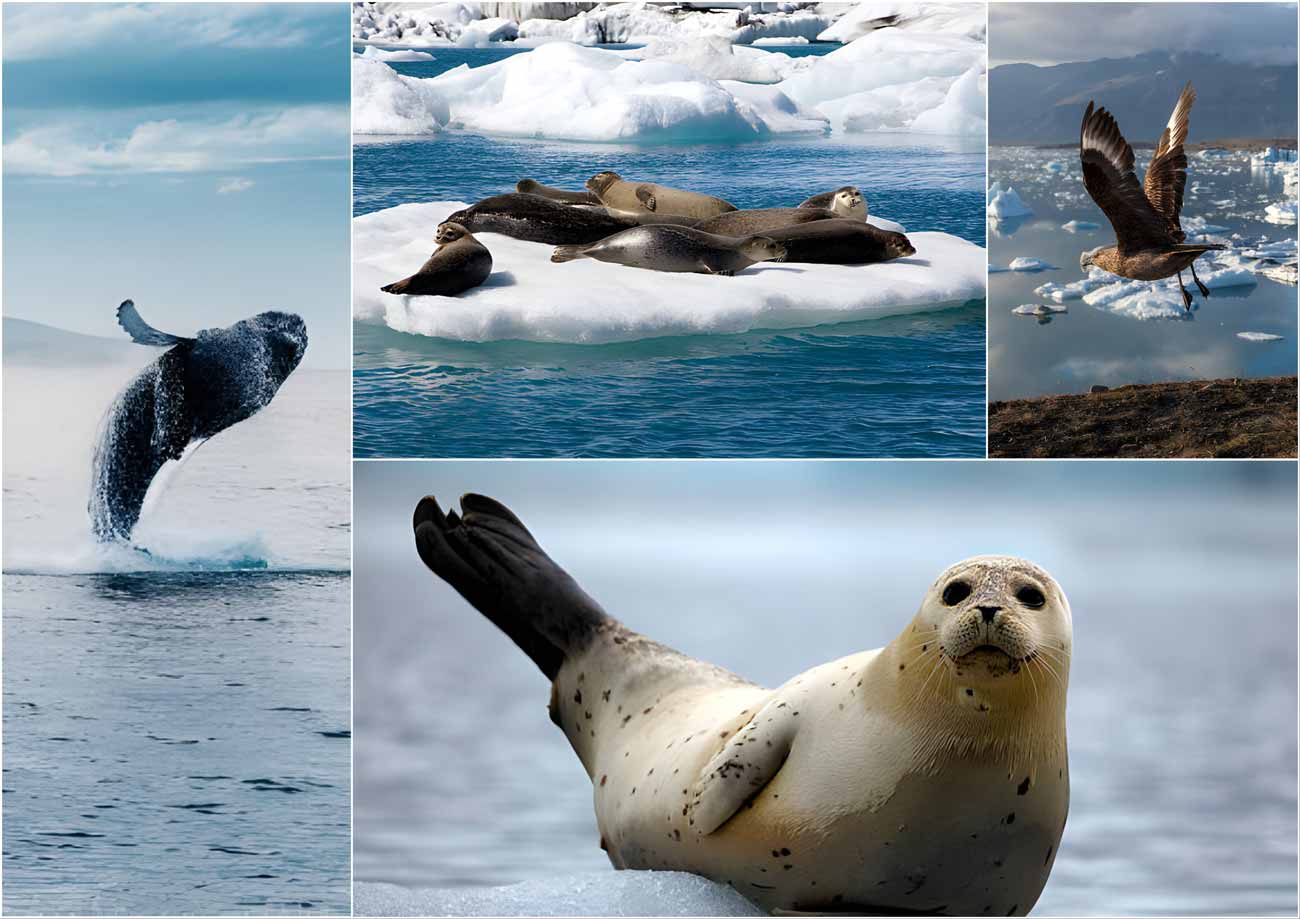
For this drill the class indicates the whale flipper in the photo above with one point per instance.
(140, 331)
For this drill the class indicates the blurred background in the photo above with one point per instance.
(1182, 711)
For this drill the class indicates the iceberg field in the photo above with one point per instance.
(529, 297)
(564, 91)
(920, 69)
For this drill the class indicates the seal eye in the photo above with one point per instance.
(1031, 597)
(955, 592)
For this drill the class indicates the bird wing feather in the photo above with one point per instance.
(1108, 175)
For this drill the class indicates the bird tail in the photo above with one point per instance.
(1199, 247)
(567, 253)
(397, 287)
(492, 561)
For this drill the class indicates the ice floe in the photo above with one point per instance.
(1080, 226)
(529, 297)
(1038, 309)
(608, 893)
(1005, 203)
(1283, 213)
(1024, 263)
(372, 53)
(1259, 336)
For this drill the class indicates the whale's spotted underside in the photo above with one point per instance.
(197, 388)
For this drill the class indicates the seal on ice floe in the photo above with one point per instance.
(197, 388)
(563, 195)
(841, 242)
(846, 201)
(459, 263)
(762, 219)
(536, 219)
(923, 777)
(639, 197)
(671, 248)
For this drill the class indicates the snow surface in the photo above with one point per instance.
(1259, 336)
(695, 77)
(610, 893)
(529, 297)
(968, 19)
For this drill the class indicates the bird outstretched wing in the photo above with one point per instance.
(1108, 176)
(1167, 175)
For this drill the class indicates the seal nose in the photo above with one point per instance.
(988, 612)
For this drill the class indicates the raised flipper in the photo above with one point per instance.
(743, 767)
(646, 197)
(140, 331)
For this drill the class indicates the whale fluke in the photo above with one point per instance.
(129, 318)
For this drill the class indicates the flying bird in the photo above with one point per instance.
(1149, 238)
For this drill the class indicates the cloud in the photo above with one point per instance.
(234, 186)
(37, 31)
(181, 145)
(1054, 33)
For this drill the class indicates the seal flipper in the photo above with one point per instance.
(492, 561)
(754, 754)
(140, 331)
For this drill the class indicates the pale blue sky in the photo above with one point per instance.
(192, 157)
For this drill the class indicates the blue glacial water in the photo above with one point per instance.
(905, 386)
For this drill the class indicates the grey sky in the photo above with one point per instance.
(1055, 33)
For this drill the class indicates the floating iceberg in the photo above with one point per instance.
(964, 19)
(372, 53)
(385, 102)
(1283, 213)
(1024, 263)
(529, 297)
(1038, 309)
(563, 91)
(1080, 226)
(1004, 203)
(1259, 336)
(609, 893)
(896, 79)
(1270, 155)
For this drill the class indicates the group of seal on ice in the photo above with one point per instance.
(651, 226)
(928, 776)
(198, 387)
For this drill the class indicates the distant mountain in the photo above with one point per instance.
(29, 343)
(1044, 105)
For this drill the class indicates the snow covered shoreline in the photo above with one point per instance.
(530, 298)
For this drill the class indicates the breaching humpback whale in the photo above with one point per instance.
(198, 387)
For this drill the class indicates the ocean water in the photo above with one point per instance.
(1089, 345)
(907, 387)
(1182, 706)
(177, 715)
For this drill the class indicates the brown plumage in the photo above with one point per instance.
(1149, 238)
